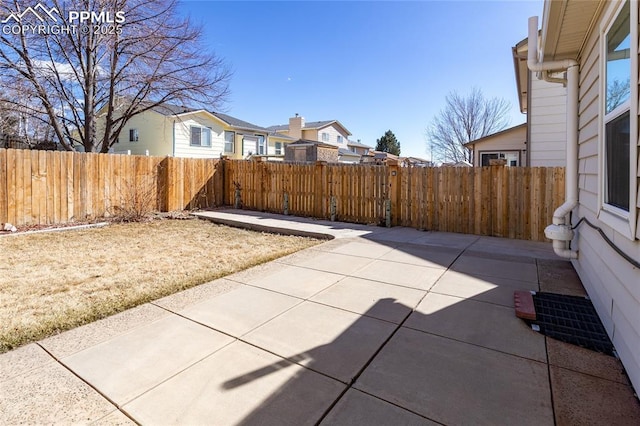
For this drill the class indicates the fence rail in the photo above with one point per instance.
(45, 187)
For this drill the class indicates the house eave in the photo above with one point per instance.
(566, 24)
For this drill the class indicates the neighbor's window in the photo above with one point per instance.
(325, 137)
(133, 135)
(340, 139)
(229, 142)
(278, 148)
(511, 159)
(200, 136)
(260, 146)
(617, 106)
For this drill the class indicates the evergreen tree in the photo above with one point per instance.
(388, 143)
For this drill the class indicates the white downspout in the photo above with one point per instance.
(559, 231)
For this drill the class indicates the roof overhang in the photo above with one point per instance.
(336, 122)
(566, 24)
(519, 52)
(518, 128)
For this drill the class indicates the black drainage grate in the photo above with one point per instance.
(571, 319)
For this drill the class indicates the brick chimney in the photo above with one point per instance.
(296, 124)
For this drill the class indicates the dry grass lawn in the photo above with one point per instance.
(50, 282)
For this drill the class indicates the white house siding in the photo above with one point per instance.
(612, 283)
(154, 135)
(333, 131)
(183, 147)
(547, 121)
(511, 141)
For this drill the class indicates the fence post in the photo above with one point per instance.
(319, 190)
(220, 195)
(237, 203)
(286, 204)
(394, 193)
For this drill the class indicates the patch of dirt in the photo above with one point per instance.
(175, 215)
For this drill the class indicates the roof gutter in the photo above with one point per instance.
(560, 231)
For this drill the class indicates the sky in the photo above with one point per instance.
(374, 66)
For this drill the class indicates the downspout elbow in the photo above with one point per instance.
(532, 53)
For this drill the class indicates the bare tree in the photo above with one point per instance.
(90, 80)
(617, 93)
(463, 119)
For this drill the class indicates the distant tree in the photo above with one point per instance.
(464, 119)
(388, 143)
(107, 73)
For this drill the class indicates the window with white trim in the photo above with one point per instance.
(325, 137)
(340, 139)
(617, 119)
(278, 150)
(261, 148)
(133, 135)
(200, 136)
(511, 159)
(229, 142)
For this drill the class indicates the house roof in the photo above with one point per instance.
(357, 144)
(462, 163)
(311, 125)
(306, 142)
(493, 135)
(279, 127)
(346, 153)
(281, 136)
(241, 124)
(519, 52)
(170, 109)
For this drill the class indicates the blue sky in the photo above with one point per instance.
(371, 65)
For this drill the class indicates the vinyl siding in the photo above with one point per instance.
(612, 283)
(154, 135)
(512, 140)
(547, 121)
(333, 132)
(183, 146)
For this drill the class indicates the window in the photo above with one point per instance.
(340, 139)
(617, 123)
(511, 159)
(278, 148)
(200, 136)
(260, 146)
(325, 137)
(133, 135)
(229, 142)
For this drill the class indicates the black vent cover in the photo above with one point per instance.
(571, 319)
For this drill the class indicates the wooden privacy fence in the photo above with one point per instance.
(514, 202)
(45, 187)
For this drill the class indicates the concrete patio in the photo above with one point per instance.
(377, 326)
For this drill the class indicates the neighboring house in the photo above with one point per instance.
(602, 173)
(509, 145)
(358, 147)
(380, 157)
(330, 132)
(305, 151)
(462, 163)
(544, 103)
(197, 133)
(277, 144)
(416, 162)
(348, 156)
